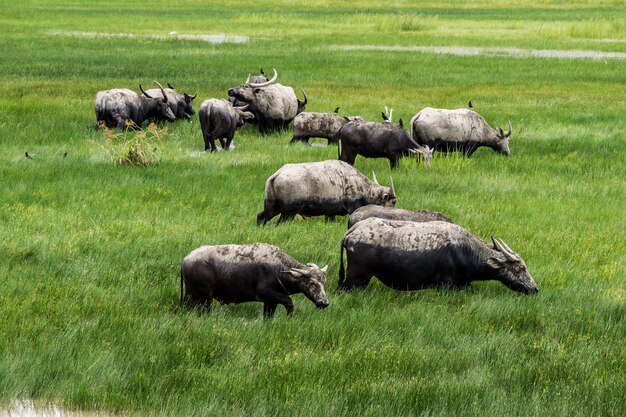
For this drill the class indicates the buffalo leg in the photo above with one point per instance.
(223, 143)
(272, 298)
(269, 309)
(286, 217)
(356, 278)
(393, 162)
(330, 218)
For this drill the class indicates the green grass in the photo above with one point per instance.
(90, 252)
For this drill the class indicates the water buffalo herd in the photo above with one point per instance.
(405, 249)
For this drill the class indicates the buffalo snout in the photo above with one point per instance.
(322, 304)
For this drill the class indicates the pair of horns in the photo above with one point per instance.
(392, 191)
(149, 96)
(504, 249)
(266, 83)
(507, 134)
(301, 271)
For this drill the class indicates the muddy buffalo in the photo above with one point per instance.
(378, 140)
(410, 256)
(121, 106)
(461, 130)
(243, 273)
(307, 125)
(393, 213)
(326, 188)
(181, 104)
(274, 105)
(219, 120)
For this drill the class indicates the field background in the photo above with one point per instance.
(90, 252)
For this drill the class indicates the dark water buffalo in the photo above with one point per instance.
(219, 120)
(378, 140)
(308, 125)
(242, 273)
(181, 104)
(274, 105)
(114, 108)
(392, 213)
(326, 188)
(461, 130)
(410, 256)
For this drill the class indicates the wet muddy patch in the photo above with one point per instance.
(212, 39)
(488, 51)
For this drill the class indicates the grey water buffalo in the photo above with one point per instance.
(219, 120)
(181, 104)
(308, 125)
(393, 213)
(117, 107)
(378, 140)
(243, 273)
(274, 105)
(461, 130)
(261, 78)
(326, 188)
(410, 256)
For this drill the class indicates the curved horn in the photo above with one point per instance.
(189, 98)
(144, 92)
(374, 178)
(243, 107)
(504, 249)
(266, 83)
(170, 86)
(392, 190)
(162, 91)
(248, 79)
(324, 269)
(507, 134)
(306, 99)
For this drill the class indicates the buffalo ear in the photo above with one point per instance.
(401, 123)
(495, 263)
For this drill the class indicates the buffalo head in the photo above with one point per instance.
(512, 269)
(311, 280)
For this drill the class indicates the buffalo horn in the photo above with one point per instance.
(392, 191)
(324, 269)
(271, 81)
(374, 178)
(144, 92)
(510, 130)
(502, 248)
(162, 91)
(244, 107)
(306, 99)
(248, 79)
(170, 86)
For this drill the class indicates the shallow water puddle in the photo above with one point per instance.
(213, 39)
(478, 51)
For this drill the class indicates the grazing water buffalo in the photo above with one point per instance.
(181, 104)
(392, 213)
(325, 188)
(308, 125)
(460, 130)
(410, 256)
(378, 140)
(114, 108)
(274, 105)
(219, 120)
(242, 273)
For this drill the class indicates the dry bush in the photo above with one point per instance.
(134, 147)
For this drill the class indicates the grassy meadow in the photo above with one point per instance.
(90, 251)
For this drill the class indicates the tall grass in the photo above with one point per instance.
(90, 251)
